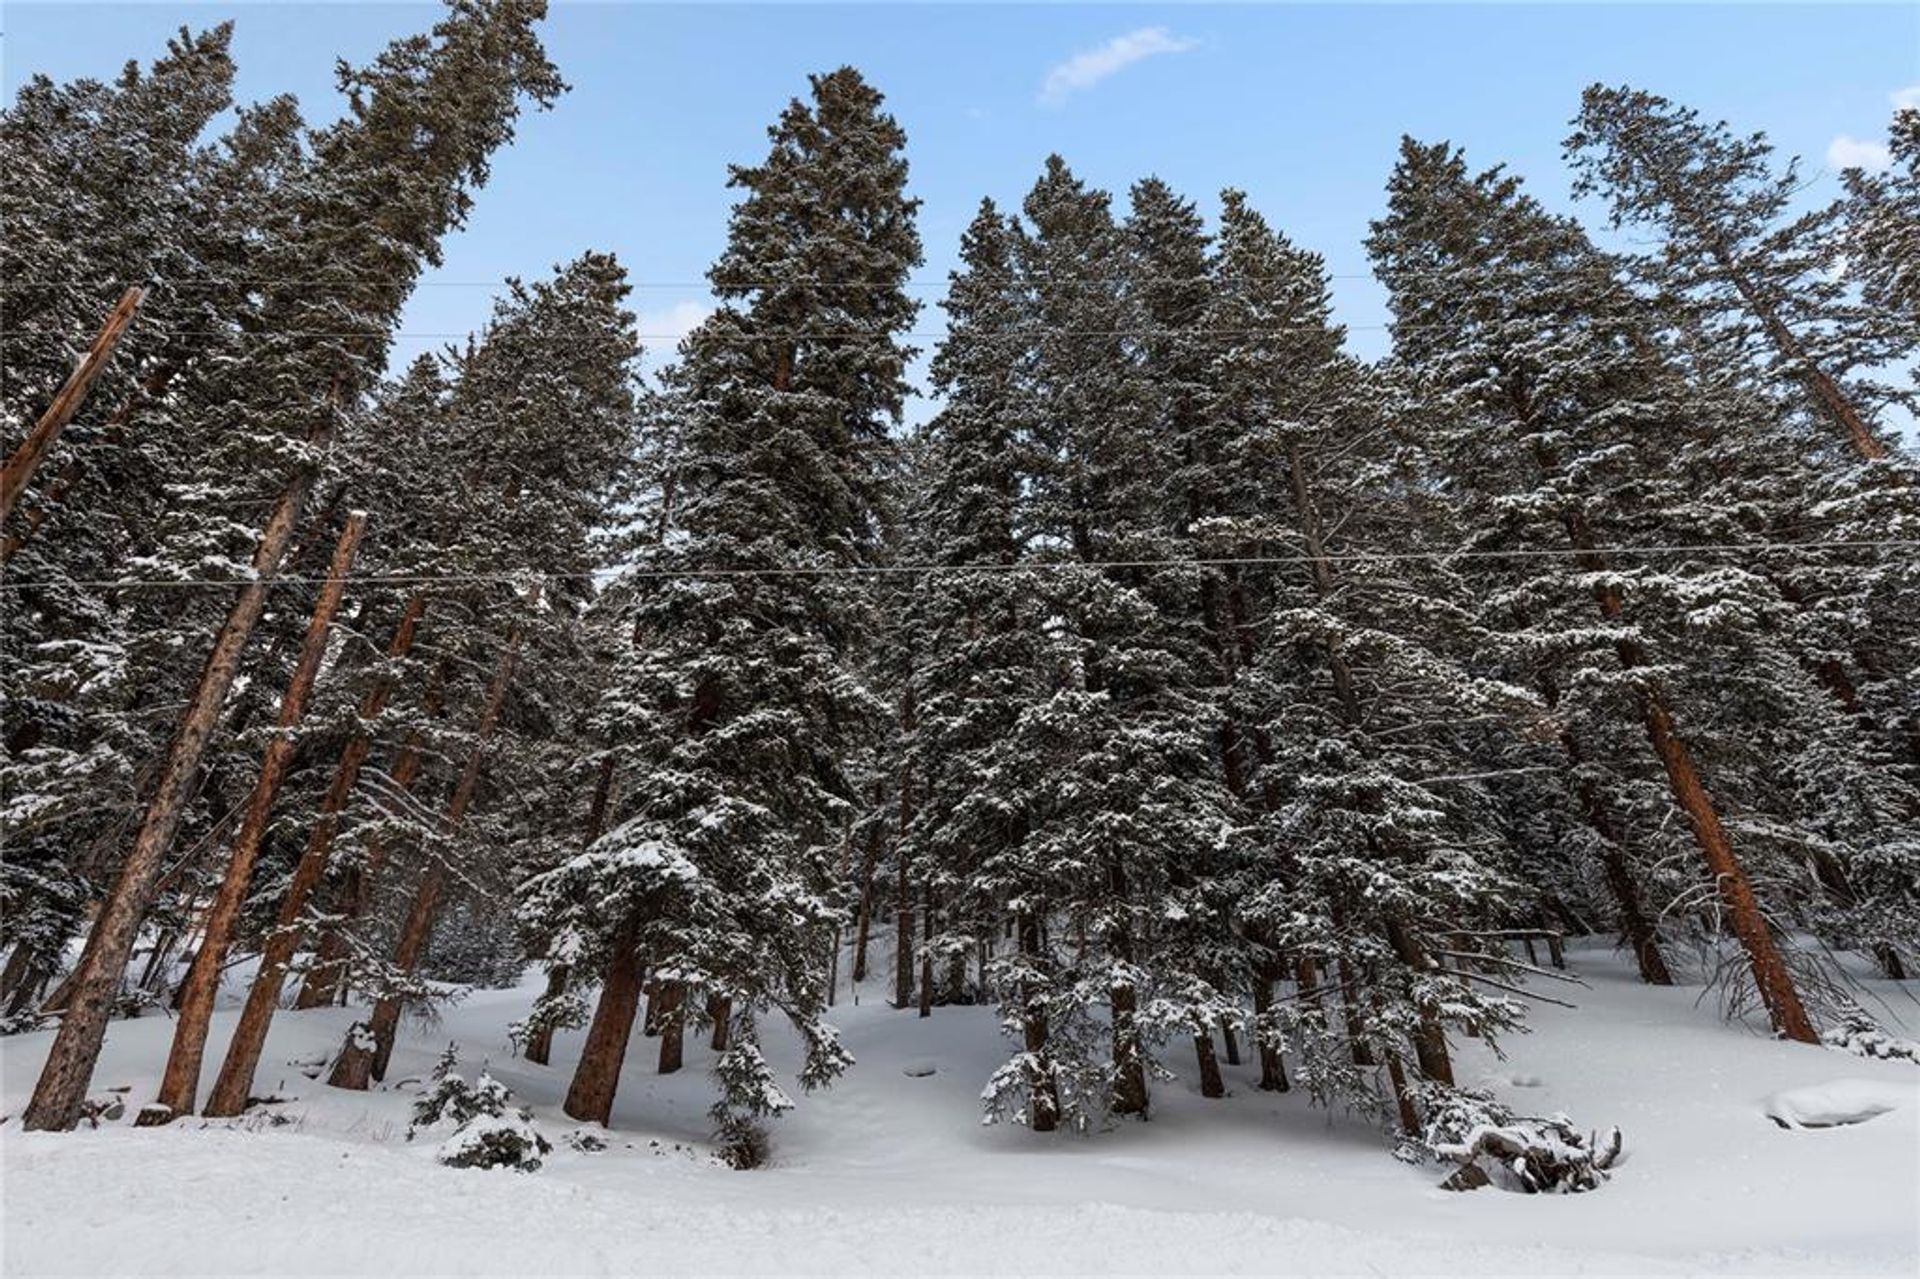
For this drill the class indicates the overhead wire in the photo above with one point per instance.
(1016, 568)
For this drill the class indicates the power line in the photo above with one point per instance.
(1039, 566)
(796, 335)
(504, 282)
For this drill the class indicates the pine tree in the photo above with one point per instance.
(733, 711)
(1365, 858)
(1731, 239)
(1133, 729)
(1880, 245)
(1512, 312)
(383, 186)
(980, 744)
(543, 407)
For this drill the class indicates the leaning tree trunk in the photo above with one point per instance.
(326, 979)
(181, 1079)
(597, 1077)
(235, 1081)
(19, 469)
(1770, 975)
(366, 1051)
(540, 1043)
(62, 1087)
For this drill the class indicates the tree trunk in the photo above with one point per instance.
(1273, 1074)
(19, 468)
(1824, 390)
(597, 1077)
(926, 953)
(19, 964)
(1229, 1040)
(720, 1013)
(326, 980)
(181, 1080)
(865, 922)
(1211, 1085)
(673, 1024)
(1043, 1092)
(1430, 1037)
(358, 1058)
(1129, 1055)
(540, 1043)
(903, 895)
(114, 428)
(69, 1066)
(1397, 1077)
(1770, 975)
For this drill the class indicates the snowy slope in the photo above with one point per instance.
(888, 1173)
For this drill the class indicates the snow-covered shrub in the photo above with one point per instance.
(1858, 1033)
(1495, 1147)
(495, 1141)
(486, 1130)
(21, 1022)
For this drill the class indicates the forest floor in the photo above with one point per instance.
(891, 1172)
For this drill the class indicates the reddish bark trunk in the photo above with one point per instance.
(358, 1059)
(1770, 975)
(69, 1066)
(19, 468)
(597, 1077)
(181, 1080)
(1211, 1085)
(673, 1025)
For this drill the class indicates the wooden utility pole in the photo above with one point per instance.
(33, 450)
(196, 998)
(62, 1087)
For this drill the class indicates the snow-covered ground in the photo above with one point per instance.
(892, 1173)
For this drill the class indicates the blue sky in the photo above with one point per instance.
(1301, 105)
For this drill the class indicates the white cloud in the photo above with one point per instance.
(1907, 97)
(661, 330)
(1090, 66)
(1848, 152)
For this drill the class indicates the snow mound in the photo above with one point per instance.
(1836, 1104)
